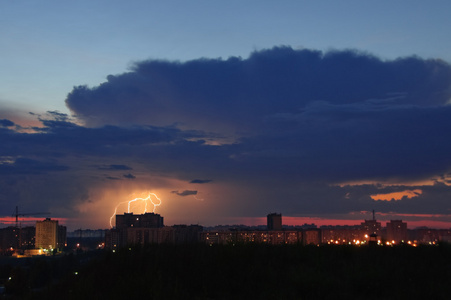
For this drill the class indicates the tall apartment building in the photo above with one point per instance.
(50, 235)
(371, 227)
(397, 231)
(274, 221)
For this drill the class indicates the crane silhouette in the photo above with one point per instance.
(17, 214)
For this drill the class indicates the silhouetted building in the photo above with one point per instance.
(27, 237)
(370, 226)
(397, 231)
(186, 233)
(311, 237)
(148, 228)
(9, 238)
(274, 221)
(147, 220)
(427, 235)
(373, 239)
(87, 233)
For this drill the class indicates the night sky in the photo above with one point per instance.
(227, 112)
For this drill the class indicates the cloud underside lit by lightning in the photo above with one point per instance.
(147, 201)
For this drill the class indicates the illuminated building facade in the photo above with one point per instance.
(251, 236)
(274, 235)
(49, 235)
(340, 234)
(274, 221)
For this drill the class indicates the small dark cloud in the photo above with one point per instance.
(6, 123)
(185, 193)
(112, 178)
(23, 165)
(129, 176)
(200, 181)
(115, 168)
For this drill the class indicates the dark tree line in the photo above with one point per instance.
(249, 271)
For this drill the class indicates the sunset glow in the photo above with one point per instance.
(397, 195)
(413, 220)
(26, 221)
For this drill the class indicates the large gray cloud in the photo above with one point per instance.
(337, 115)
(243, 92)
(278, 131)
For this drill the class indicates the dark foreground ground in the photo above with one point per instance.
(236, 272)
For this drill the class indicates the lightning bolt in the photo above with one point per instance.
(146, 203)
(198, 199)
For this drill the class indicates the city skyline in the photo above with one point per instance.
(321, 112)
(262, 221)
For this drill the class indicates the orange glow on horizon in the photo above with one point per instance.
(299, 221)
(12, 220)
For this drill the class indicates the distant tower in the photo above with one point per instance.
(274, 221)
(371, 230)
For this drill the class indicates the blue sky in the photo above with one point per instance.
(228, 110)
(47, 47)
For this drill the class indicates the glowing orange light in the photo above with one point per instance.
(145, 200)
(397, 195)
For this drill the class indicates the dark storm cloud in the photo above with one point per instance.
(129, 176)
(185, 193)
(342, 143)
(243, 92)
(24, 165)
(200, 181)
(6, 123)
(336, 115)
(62, 138)
(115, 168)
(292, 116)
(279, 130)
